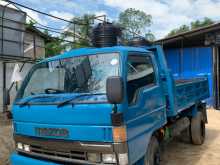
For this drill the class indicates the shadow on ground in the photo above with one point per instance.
(180, 153)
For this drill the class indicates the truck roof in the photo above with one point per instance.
(85, 51)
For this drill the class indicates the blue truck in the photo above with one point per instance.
(109, 105)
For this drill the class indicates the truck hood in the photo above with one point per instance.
(84, 122)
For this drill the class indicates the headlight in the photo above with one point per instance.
(108, 158)
(23, 147)
(123, 159)
(27, 148)
(20, 146)
(94, 157)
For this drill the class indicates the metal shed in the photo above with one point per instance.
(194, 54)
(19, 45)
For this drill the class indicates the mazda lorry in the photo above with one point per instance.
(110, 105)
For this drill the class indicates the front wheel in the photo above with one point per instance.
(198, 129)
(152, 156)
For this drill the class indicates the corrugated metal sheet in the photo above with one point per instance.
(12, 26)
(191, 62)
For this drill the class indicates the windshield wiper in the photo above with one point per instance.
(75, 97)
(26, 102)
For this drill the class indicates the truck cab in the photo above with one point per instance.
(94, 106)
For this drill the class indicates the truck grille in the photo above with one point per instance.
(60, 151)
(62, 154)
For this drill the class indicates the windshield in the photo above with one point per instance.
(82, 74)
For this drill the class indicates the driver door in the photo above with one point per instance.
(146, 102)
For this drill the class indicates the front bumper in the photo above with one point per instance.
(17, 159)
(64, 152)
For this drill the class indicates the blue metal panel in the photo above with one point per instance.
(79, 120)
(144, 117)
(76, 132)
(87, 51)
(168, 85)
(189, 92)
(173, 61)
(22, 160)
(190, 63)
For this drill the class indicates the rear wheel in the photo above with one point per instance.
(198, 129)
(152, 156)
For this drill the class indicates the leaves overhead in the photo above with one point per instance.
(53, 47)
(82, 32)
(76, 34)
(193, 25)
(205, 22)
(150, 36)
(134, 22)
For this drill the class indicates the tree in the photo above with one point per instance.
(181, 29)
(205, 22)
(77, 35)
(134, 22)
(150, 36)
(30, 24)
(193, 25)
(81, 32)
(53, 46)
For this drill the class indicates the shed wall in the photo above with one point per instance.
(9, 71)
(12, 24)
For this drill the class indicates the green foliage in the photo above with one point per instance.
(150, 36)
(30, 24)
(205, 22)
(181, 29)
(193, 25)
(134, 22)
(81, 34)
(53, 46)
(81, 31)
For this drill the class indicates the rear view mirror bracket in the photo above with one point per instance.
(115, 91)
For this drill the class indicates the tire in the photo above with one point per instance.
(197, 129)
(152, 156)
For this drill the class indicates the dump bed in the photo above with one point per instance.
(189, 91)
(182, 93)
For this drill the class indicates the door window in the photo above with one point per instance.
(140, 74)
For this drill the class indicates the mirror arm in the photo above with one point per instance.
(115, 108)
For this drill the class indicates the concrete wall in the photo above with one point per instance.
(14, 46)
(38, 53)
(9, 71)
(34, 46)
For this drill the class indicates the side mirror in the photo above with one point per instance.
(115, 89)
(7, 99)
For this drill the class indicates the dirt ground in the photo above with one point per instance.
(179, 153)
(6, 144)
(176, 152)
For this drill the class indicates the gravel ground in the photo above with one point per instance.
(176, 152)
(179, 153)
(6, 144)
